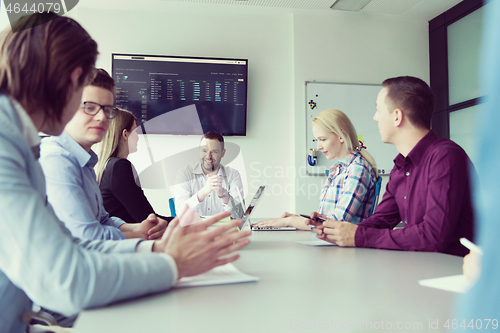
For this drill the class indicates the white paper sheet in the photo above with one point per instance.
(219, 275)
(317, 242)
(454, 283)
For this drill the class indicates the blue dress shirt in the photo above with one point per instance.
(73, 191)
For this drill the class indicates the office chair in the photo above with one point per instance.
(378, 184)
(171, 203)
(50, 324)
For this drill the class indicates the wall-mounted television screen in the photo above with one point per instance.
(183, 95)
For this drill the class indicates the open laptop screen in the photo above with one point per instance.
(254, 201)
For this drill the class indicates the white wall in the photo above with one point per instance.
(285, 48)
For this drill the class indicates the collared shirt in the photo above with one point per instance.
(73, 191)
(349, 190)
(192, 179)
(429, 191)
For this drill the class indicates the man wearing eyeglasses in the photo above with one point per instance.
(68, 164)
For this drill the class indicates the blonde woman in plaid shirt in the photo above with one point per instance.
(349, 190)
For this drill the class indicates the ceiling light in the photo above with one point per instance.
(350, 5)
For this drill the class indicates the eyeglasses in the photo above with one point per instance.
(92, 109)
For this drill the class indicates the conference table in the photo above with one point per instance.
(300, 289)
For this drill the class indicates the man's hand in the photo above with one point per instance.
(140, 230)
(214, 183)
(196, 249)
(291, 220)
(157, 231)
(287, 214)
(161, 244)
(316, 223)
(282, 222)
(336, 232)
(191, 223)
(472, 266)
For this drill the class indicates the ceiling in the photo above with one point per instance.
(416, 9)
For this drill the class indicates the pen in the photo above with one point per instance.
(471, 246)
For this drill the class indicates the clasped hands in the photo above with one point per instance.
(214, 183)
(151, 228)
(337, 232)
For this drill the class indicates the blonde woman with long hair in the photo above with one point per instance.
(117, 178)
(349, 190)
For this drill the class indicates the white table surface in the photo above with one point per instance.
(301, 289)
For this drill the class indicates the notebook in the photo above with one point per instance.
(454, 283)
(225, 274)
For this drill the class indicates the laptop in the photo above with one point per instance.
(256, 198)
(246, 213)
(246, 221)
(273, 228)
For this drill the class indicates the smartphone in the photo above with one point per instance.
(317, 219)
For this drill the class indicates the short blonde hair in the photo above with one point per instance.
(337, 122)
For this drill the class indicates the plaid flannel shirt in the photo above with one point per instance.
(349, 190)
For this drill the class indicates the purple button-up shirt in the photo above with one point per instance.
(429, 191)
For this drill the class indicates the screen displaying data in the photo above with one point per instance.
(183, 95)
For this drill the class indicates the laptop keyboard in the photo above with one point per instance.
(269, 228)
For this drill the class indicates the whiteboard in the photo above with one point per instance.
(357, 101)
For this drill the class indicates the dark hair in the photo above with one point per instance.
(413, 96)
(37, 62)
(103, 80)
(212, 135)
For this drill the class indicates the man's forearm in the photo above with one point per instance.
(130, 231)
(223, 194)
(201, 195)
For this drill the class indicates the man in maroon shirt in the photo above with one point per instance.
(428, 189)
